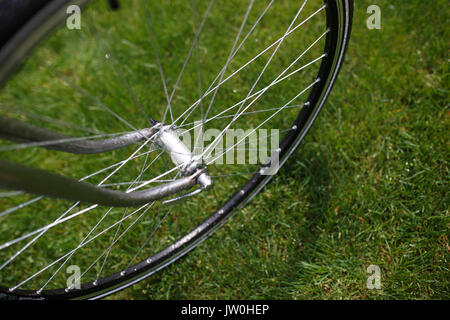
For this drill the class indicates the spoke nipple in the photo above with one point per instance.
(294, 127)
(39, 291)
(149, 260)
(122, 273)
(278, 150)
(95, 283)
(220, 211)
(67, 289)
(12, 289)
(242, 192)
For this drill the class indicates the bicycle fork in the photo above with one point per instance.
(19, 177)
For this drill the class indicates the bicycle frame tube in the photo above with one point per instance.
(19, 131)
(19, 177)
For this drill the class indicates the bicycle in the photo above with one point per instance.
(242, 51)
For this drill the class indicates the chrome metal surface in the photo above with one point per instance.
(19, 131)
(18, 177)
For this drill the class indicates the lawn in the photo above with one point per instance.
(368, 185)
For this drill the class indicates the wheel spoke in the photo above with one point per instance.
(194, 43)
(209, 91)
(158, 61)
(262, 123)
(80, 246)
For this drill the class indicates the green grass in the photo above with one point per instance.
(369, 185)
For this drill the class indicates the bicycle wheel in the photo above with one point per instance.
(242, 82)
